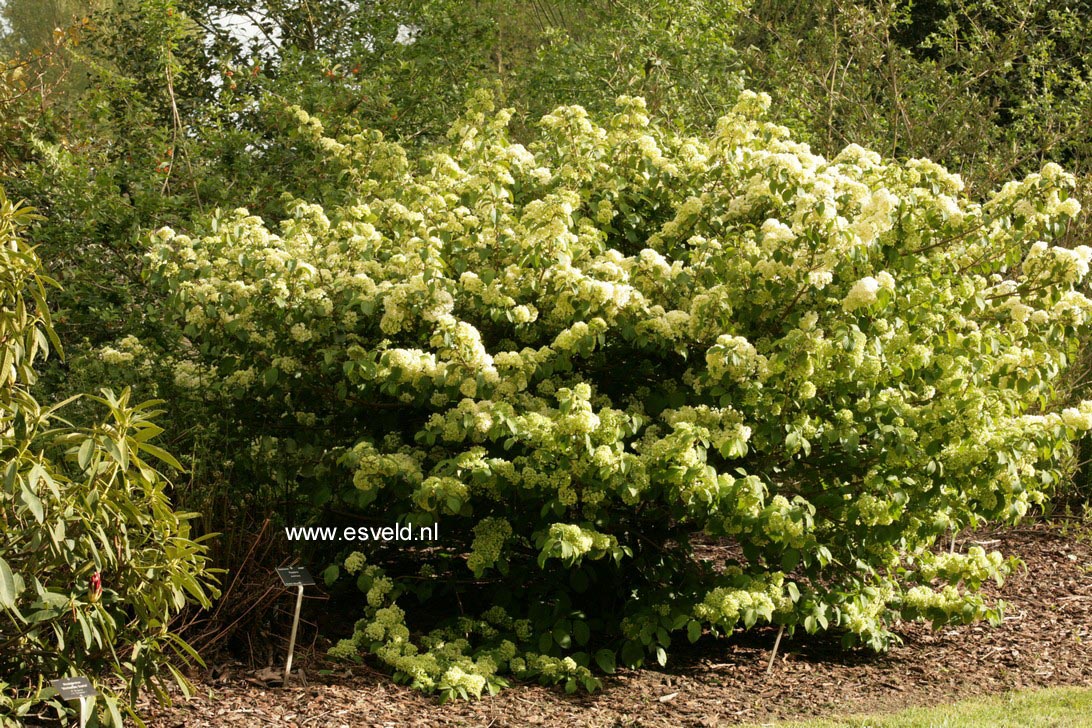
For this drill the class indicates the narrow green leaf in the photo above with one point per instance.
(113, 712)
(7, 586)
(161, 454)
(87, 710)
(147, 432)
(84, 455)
(85, 628)
(32, 502)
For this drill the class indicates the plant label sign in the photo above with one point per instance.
(295, 576)
(73, 688)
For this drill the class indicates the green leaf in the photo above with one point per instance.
(84, 455)
(32, 502)
(7, 586)
(581, 632)
(633, 654)
(53, 599)
(85, 627)
(87, 710)
(113, 712)
(147, 432)
(693, 630)
(10, 473)
(269, 377)
(562, 634)
(161, 454)
(605, 659)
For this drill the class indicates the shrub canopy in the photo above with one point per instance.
(584, 357)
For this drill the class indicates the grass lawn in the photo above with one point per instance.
(1055, 707)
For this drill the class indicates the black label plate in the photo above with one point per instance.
(295, 576)
(72, 688)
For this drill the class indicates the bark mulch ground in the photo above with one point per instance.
(1043, 642)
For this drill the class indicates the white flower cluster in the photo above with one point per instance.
(746, 599)
(975, 565)
(734, 357)
(866, 291)
(490, 536)
(374, 470)
(354, 562)
(572, 543)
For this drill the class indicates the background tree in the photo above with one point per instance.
(977, 86)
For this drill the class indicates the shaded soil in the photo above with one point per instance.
(1043, 641)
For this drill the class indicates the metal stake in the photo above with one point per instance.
(776, 644)
(84, 713)
(292, 639)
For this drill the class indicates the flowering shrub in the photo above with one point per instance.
(94, 563)
(582, 354)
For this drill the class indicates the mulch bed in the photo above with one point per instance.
(1042, 642)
